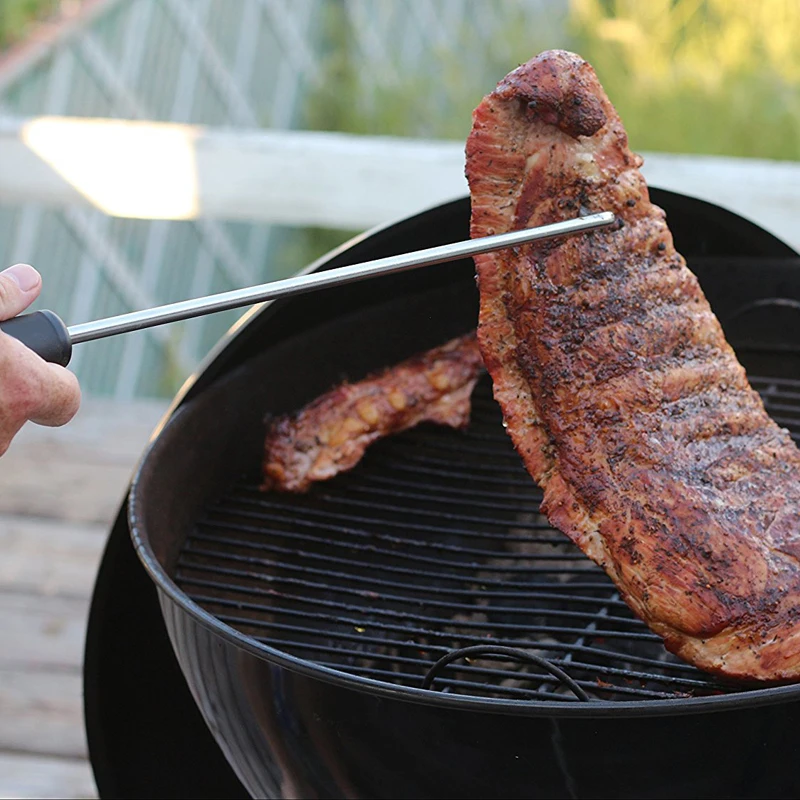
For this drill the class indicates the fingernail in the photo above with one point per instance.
(25, 276)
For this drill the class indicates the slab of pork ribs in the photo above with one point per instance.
(332, 433)
(618, 388)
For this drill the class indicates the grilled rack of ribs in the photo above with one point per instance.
(332, 433)
(618, 388)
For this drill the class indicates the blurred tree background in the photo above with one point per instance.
(718, 77)
(687, 76)
(698, 76)
(17, 17)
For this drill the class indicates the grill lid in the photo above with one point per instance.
(435, 543)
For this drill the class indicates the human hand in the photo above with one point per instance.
(30, 388)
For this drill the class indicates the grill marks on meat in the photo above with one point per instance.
(331, 434)
(618, 388)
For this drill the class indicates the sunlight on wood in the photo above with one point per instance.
(144, 170)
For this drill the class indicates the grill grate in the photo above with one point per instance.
(435, 543)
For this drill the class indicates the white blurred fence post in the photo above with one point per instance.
(331, 180)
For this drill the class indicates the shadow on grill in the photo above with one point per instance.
(433, 544)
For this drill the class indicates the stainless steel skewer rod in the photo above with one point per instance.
(137, 320)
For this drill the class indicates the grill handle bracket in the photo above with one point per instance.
(511, 652)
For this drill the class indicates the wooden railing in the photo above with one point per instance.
(168, 171)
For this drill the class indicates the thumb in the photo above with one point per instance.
(19, 287)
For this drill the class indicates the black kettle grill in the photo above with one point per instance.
(413, 628)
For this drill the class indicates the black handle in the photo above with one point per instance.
(44, 333)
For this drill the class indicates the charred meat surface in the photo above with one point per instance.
(332, 433)
(618, 388)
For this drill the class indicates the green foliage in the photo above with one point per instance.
(16, 17)
(431, 96)
(690, 76)
(698, 76)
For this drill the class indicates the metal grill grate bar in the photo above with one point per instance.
(388, 538)
(375, 551)
(392, 486)
(413, 458)
(445, 500)
(400, 677)
(518, 480)
(188, 578)
(411, 622)
(363, 640)
(448, 518)
(187, 561)
(434, 652)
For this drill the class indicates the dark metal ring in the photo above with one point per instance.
(513, 652)
(764, 302)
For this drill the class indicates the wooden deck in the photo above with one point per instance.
(59, 492)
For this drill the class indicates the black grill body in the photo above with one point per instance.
(328, 724)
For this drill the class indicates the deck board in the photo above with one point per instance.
(80, 472)
(49, 557)
(59, 492)
(25, 775)
(41, 713)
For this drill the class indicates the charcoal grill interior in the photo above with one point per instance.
(433, 543)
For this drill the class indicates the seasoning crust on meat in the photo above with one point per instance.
(618, 388)
(332, 433)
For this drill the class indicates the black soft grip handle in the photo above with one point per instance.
(44, 333)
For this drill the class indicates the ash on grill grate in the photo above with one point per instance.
(434, 543)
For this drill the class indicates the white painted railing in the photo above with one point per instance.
(169, 171)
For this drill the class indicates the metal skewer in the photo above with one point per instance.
(24, 327)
